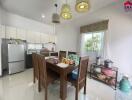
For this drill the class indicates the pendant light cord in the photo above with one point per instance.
(66, 1)
(56, 7)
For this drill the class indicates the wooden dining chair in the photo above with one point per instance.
(46, 76)
(62, 54)
(80, 82)
(35, 69)
(46, 54)
(70, 52)
(54, 54)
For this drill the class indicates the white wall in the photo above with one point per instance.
(0, 15)
(10, 19)
(67, 37)
(119, 34)
(0, 40)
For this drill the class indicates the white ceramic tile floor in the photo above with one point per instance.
(20, 87)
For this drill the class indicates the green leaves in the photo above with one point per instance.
(93, 43)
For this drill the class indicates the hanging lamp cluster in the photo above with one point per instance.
(56, 16)
(66, 13)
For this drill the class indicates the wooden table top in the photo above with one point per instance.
(55, 61)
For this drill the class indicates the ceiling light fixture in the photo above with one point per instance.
(82, 5)
(66, 11)
(56, 16)
(43, 16)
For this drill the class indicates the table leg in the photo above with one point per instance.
(63, 85)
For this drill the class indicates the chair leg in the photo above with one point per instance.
(85, 86)
(76, 96)
(85, 89)
(39, 88)
(33, 77)
(46, 92)
(39, 85)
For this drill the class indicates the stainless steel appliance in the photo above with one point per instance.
(16, 58)
(108, 63)
(13, 56)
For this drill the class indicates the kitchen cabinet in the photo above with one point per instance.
(52, 38)
(37, 37)
(10, 32)
(29, 61)
(44, 38)
(2, 31)
(21, 34)
(31, 37)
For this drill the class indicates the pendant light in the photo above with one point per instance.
(66, 11)
(82, 5)
(56, 16)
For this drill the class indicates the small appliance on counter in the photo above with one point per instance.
(108, 63)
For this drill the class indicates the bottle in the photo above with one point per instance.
(98, 60)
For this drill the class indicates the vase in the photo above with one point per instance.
(125, 85)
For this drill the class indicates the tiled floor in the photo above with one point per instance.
(20, 87)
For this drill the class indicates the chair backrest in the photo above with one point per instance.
(54, 54)
(83, 66)
(62, 54)
(70, 52)
(42, 69)
(35, 65)
(46, 54)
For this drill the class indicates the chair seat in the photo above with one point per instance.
(72, 81)
(75, 82)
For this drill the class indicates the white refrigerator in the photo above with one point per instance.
(16, 58)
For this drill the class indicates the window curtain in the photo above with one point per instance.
(98, 26)
(106, 49)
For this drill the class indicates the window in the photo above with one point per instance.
(92, 42)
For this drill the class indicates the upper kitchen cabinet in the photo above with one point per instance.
(44, 38)
(21, 34)
(31, 37)
(52, 38)
(37, 37)
(2, 31)
(10, 32)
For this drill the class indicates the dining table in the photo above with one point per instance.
(63, 70)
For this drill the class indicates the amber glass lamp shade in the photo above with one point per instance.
(66, 12)
(82, 5)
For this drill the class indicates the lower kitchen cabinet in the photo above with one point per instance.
(29, 61)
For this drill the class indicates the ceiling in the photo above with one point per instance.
(35, 8)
